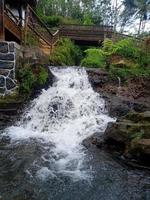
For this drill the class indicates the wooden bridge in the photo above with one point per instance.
(11, 30)
(86, 35)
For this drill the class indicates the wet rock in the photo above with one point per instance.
(94, 140)
(97, 77)
(132, 133)
(140, 149)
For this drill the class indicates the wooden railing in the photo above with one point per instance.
(39, 28)
(12, 16)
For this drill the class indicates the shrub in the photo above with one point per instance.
(94, 58)
(52, 21)
(66, 53)
(42, 76)
(129, 72)
(26, 79)
(126, 48)
(31, 76)
(108, 46)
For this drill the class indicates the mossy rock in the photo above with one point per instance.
(133, 131)
(140, 149)
(139, 117)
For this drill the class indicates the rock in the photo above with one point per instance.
(10, 84)
(132, 133)
(4, 72)
(94, 140)
(8, 56)
(140, 149)
(12, 74)
(11, 46)
(6, 65)
(97, 77)
(3, 47)
(2, 81)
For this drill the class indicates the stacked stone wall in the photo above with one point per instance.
(7, 67)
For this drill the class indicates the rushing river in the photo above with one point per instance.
(42, 156)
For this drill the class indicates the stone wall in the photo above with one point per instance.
(7, 67)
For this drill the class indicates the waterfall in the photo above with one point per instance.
(60, 119)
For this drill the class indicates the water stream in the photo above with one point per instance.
(44, 159)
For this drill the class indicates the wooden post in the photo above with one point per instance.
(2, 28)
(25, 29)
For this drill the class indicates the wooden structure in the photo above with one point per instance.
(88, 35)
(12, 30)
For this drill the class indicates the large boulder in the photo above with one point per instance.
(132, 133)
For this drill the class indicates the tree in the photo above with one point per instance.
(137, 9)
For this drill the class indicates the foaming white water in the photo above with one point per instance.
(64, 115)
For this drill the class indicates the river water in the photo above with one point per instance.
(42, 156)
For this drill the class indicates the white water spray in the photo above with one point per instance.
(64, 115)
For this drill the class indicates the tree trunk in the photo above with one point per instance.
(140, 24)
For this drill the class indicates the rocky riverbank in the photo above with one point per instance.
(129, 102)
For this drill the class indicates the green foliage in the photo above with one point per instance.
(26, 79)
(69, 20)
(42, 76)
(125, 58)
(127, 48)
(87, 20)
(29, 77)
(31, 39)
(52, 21)
(75, 10)
(94, 58)
(66, 53)
(129, 72)
(108, 46)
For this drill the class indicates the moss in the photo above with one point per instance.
(9, 101)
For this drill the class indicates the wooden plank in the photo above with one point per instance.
(12, 27)
(2, 29)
